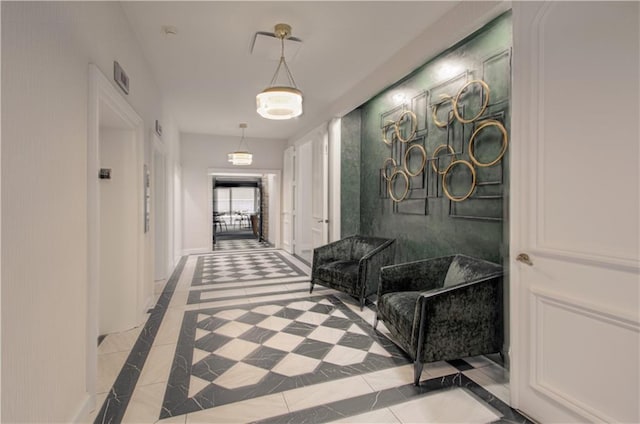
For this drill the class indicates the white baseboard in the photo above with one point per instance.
(86, 406)
(197, 250)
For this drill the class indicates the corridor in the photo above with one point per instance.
(236, 337)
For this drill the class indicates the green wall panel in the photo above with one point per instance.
(350, 174)
(428, 224)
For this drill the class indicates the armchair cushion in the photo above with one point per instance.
(343, 273)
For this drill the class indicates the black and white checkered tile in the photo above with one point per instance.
(243, 266)
(225, 245)
(229, 354)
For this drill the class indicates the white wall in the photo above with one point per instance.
(200, 152)
(46, 49)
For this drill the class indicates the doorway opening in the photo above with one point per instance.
(244, 210)
(118, 293)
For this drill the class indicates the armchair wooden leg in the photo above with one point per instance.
(363, 300)
(375, 321)
(311, 288)
(417, 372)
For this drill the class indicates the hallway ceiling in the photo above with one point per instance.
(209, 78)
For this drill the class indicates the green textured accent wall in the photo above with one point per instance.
(428, 224)
(350, 174)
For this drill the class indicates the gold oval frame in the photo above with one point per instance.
(390, 183)
(434, 112)
(385, 128)
(473, 181)
(414, 126)
(384, 168)
(456, 99)
(505, 142)
(435, 156)
(406, 160)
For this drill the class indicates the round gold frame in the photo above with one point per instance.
(505, 142)
(414, 126)
(406, 160)
(435, 156)
(390, 184)
(385, 129)
(473, 181)
(384, 168)
(456, 99)
(434, 112)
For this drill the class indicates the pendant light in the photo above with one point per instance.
(280, 101)
(240, 157)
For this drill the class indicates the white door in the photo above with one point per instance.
(320, 191)
(575, 212)
(287, 199)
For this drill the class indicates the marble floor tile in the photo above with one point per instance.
(478, 361)
(170, 327)
(451, 406)
(100, 397)
(158, 365)
(392, 377)
(381, 416)
(294, 364)
(145, 404)
(284, 341)
(439, 369)
(496, 373)
(109, 366)
(236, 349)
(180, 419)
(179, 299)
(318, 394)
(325, 334)
(219, 294)
(240, 375)
(242, 412)
(499, 390)
(119, 342)
(343, 355)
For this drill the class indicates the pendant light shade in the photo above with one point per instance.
(240, 157)
(280, 101)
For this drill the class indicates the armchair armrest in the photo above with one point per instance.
(463, 318)
(371, 263)
(420, 275)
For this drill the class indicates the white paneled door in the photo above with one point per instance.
(288, 190)
(320, 191)
(575, 212)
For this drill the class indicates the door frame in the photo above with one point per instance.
(252, 172)
(103, 93)
(527, 118)
(159, 207)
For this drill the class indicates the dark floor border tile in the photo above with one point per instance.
(195, 296)
(389, 397)
(115, 405)
(365, 403)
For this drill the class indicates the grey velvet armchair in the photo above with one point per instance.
(352, 265)
(442, 308)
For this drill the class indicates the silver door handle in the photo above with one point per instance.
(326, 221)
(524, 258)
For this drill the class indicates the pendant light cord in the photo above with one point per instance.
(292, 82)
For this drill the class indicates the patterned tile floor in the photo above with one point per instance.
(264, 350)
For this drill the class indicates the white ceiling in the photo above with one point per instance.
(209, 78)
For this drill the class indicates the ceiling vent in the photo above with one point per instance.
(267, 45)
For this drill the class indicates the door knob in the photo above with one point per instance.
(524, 258)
